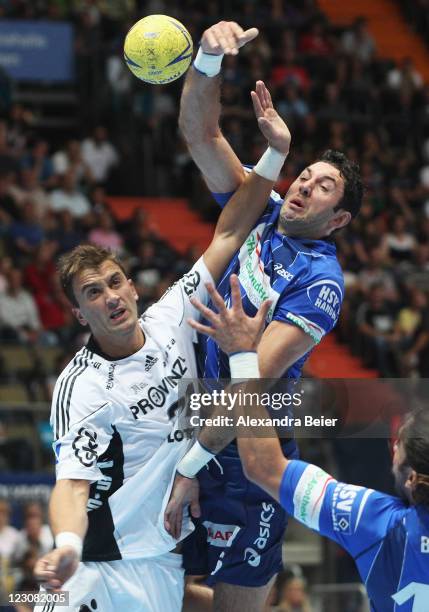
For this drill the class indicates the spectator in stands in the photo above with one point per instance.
(68, 197)
(19, 319)
(399, 244)
(104, 233)
(289, 594)
(66, 232)
(376, 322)
(100, 155)
(358, 42)
(377, 272)
(30, 189)
(9, 208)
(9, 536)
(41, 165)
(26, 233)
(70, 159)
(35, 534)
(42, 279)
(405, 77)
(8, 157)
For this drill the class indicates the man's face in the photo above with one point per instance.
(308, 207)
(107, 302)
(401, 472)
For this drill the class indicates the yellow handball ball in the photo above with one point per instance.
(158, 49)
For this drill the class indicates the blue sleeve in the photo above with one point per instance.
(223, 198)
(355, 517)
(314, 306)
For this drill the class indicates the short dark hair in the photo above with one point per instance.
(81, 258)
(353, 186)
(414, 435)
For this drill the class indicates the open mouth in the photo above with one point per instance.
(297, 204)
(117, 314)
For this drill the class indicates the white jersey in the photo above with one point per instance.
(113, 426)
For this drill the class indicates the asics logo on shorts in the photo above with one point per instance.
(85, 447)
(252, 557)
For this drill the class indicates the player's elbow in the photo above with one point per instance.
(196, 132)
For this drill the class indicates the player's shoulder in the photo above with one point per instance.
(79, 389)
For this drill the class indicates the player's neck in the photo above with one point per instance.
(124, 346)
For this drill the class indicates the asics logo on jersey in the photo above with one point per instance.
(260, 542)
(278, 267)
(190, 282)
(149, 362)
(157, 395)
(85, 447)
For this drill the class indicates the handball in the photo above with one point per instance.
(158, 49)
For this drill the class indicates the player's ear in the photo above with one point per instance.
(412, 480)
(135, 294)
(339, 220)
(79, 316)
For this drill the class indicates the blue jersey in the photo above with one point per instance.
(302, 278)
(388, 539)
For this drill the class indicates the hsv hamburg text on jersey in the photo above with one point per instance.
(388, 539)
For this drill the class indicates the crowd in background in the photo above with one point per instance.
(329, 86)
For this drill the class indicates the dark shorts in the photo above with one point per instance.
(238, 539)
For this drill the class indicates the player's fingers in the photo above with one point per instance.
(195, 508)
(225, 39)
(257, 107)
(247, 36)
(216, 299)
(263, 311)
(206, 312)
(177, 523)
(235, 293)
(201, 329)
(209, 43)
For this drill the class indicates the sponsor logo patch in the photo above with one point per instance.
(85, 447)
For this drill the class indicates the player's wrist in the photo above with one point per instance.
(244, 365)
(208, 64)
(195, 459)
(71, 539)
(270, 164)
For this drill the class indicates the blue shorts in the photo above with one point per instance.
(238, 539)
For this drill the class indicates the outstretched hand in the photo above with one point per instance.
(226, 37)
(231, 328)
(270, 123)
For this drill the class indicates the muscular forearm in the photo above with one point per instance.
(67, 508)
(200, 107)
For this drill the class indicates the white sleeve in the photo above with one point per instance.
(175, 303)
(77, 451)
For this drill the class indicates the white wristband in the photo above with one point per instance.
(244, 365)
(270, 164)
(194, 460)
(208, 64)
(68, 538)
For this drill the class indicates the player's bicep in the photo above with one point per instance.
(281, 345)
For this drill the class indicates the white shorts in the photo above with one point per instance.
(137, 585)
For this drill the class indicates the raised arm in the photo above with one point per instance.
(200, 110)
(248, 202)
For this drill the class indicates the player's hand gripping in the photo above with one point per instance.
(226, 37)
(232, 329)
(184, 492)
(56, 567)
(270, 123)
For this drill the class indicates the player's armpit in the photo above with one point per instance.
(281, 346)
